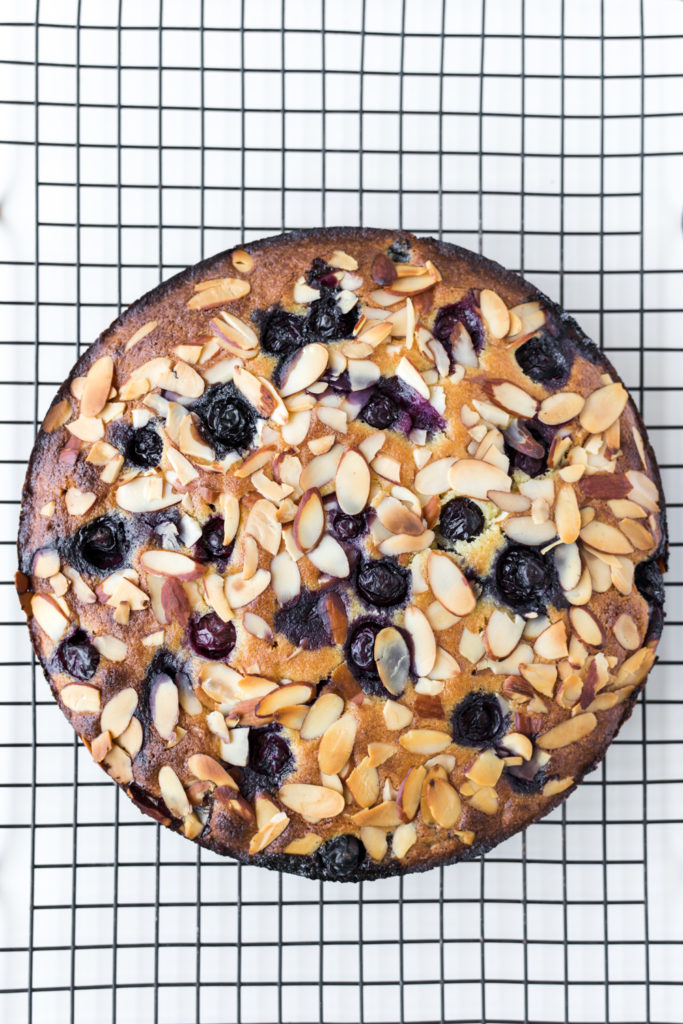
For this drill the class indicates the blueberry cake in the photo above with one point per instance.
(342, 552)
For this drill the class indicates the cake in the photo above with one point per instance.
(342, 553)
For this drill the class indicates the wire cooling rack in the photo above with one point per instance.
(139, 138)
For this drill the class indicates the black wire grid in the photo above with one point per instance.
(546, 133)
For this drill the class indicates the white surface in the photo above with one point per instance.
(585, 958)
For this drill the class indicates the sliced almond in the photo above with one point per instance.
(218, 291)
(269, 832)
(260, 393)
(444, 802)
(404, 838)
(80, 698)
(509, 501)
(408, 798)
(542, 677)
(570, 731)
(336, 744)
(209, 770)
(117, 763)
(363, 783)
(514, 399)
(425, 741)
(241, 592)
(97, 386)
(603, 407)
(495, 312)
(110, 647)
(164, 705)
(424, 642)
(503, 633)
(641, 538)
(604, 537)
(434, 477)
(635, 668)
(322, 469)
(326, 710)
(560, 407)
(396, 716)
(523, 530)
(283, 697)
(285, 578)
(172, 792)
(352, 482)
(407, 372)
(170, 563)
(45, 563)
(49, 616)
(309, 521)
(568, 564)
(242, 261)
(57, 416)
(586, 626)
(398, 519)
(330, 558)
(567, 515)
(486, 769)
(552, 643)
(449, 585)
(627, 633)
(304, 369)
(392, 660)
(375, 842)
(403, 544)
(314, 803)
(475, 478)
(384, 815)
(263, 525)
(304, 846)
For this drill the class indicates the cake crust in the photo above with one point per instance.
(246, 407)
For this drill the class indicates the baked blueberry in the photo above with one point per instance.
(523, 577)
(478, 720)
(461, 519)
(228, 420)
(399, 250)
(210, 546)
(326, 321)
(211, 637)
(302, 624)
(465, 312)
(346, 527)
(281, 332)
(269, 753)
(101, 545)
(144, 447)
(380, 411)
(321, 275)
(360, 655)
(524, 783)
(340, 857)
(544, 360)
(77, 656)
(394, 404)
(650, 585)
(382, 583)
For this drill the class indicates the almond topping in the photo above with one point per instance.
(241, 592)
(408, 799)
(97, 386)
(141, 333)
(305, 367)
(172, 792)
(392, 660)
(404, 838)
(586, 626)
(170, 563)
(560, 407)
(570, 731)
(425, 741)
(352, 482)
(336, 744)
(412, 377)
(208, 770)
(323, 713)
(641, 538)
(322, 469)
(448, 584)
(495, 312)
(57, 416)
(313, 802)
(475, 478)
(384, 815)
(330, 558)
(444, 802)
(486, 769)
(627, 633)
(604, 537)
(603, 407)
(552, 643)
(514, 399)
(434, 477)
(49, 616)
(283, 697)
(523, 530)
(217, 291)
(568, 565)
(541, 677)
(364, 783)
(285, 577)
(309, 521)
(82, 699)
(567, 515)
(422, 636)
(503, 633)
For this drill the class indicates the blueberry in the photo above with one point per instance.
(526, 445)
(340, 857)
(346, 527)
(478, 720)
(211, 637)
(101, 545)
(399, 250)
(465, 312)
(525, 784)
(269, 752)
(382, 583)
(302, 624)
(523, 577)
(650, 585)
(544, 360)
(321, 275)
(360, 657)
(229, 421)
(77, 656)
(380, 411)
(144, 447)
(461, 519)
(281, 332)
(326, 321)
(210, 547)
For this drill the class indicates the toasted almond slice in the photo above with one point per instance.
(87, 428)
(425, 741)
(403, 543)
(398, 519)
(448, 584)
(313, 802)
(641, 538)
(408, 798)
(57, 416)
(323, 713)
(635, 668)
(519, 744)
(137, 496)
(503, 633)
(412, 376)
(542, 677)
(45, 563)
(141, 333)
(242, 261)
(309, 521)
(568, 564)
(624, 508)
(567, 515)
(209, 770)
(475, 478)
(49, 616)
(218, 291)
(586, 626)
(364, 783)
(378, 753)
(285, 577)
(509, 501)
(304, 369)
(352, 482)
(514, 399)
(523, 530)
(304, 846)
(384, 815)
(434, 477)
(117, 763)
(396, 716)
(283, 697)
(241, 592)
(336, 744)
(404, 838)
(375, 842)
(80, 698)
(604, 537)
(110, 647)
(560, 407)
(486, 769)
(268, 833)
(172, 792)
(570, 731)
(444, 802)
(263, 525)
(329, 557)
(164, 705)
(642, 489)
(603, 407)
(388, 467)
(552, 642)
(392, 660)
(97, 386)
(322, 469)
(422, 636)
(170, 563)
(627, 633)
(532, 317)
(495, 312)
(412, 285)
(260, 393)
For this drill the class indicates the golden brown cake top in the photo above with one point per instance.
(328, 548)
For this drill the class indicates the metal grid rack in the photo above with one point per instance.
(139, 137)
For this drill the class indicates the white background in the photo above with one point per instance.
(558, 153)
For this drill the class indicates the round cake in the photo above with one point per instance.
(342, 552)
